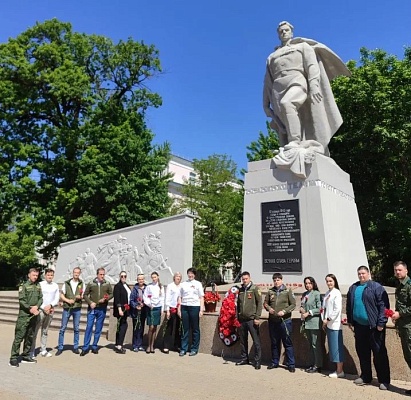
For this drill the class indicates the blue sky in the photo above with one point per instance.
(213, 54)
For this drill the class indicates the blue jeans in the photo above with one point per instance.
(67, 313)
(138, 329)
(280, 331)
(98, 315)
(191, 319)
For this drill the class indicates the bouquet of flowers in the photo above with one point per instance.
(138, 318)
(211, 297)
(227, 321)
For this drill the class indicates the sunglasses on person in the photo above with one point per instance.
(123, 276)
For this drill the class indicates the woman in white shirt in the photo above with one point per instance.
(172, 333)
(153, 298)
(192, 305)
(331, 316)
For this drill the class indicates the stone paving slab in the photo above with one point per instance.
(160, 376)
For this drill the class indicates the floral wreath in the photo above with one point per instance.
(227, 321)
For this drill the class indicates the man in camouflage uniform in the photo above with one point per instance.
(249, 308)
(402, 314)
(280, 302)
(30, 300)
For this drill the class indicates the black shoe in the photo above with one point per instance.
(83, 353)
(14, 363)
(58, 352)
(313, 370)
(75, 351)
(291, 369)
(120, 350)
(28, 360)
(257, 366)
(272, 366)
(407, 392)
(242, 362)
(94, 351)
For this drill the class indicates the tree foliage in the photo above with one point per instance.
(76, 157)
(216, 199)
(264, 147)
(374, 147)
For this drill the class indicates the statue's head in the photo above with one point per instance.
(285, 31)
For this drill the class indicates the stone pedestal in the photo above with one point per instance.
(301, 227)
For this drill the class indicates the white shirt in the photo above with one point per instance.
(332, 308)
(51, 293)
(128, 291)
(191, 292)
(73, 285)
(154, 295)
(172, 294)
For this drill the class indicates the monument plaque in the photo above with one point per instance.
(281, 238)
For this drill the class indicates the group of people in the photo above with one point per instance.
(367, 310)
(182, 303)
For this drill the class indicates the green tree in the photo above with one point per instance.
(374, 147)
(76, 157)
(216, 198)
(264, 147)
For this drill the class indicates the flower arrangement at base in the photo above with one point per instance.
(211, 297)
(227, 321)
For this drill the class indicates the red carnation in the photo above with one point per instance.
(126, 307)
(388, 313)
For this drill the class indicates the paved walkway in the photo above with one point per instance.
(159, 376)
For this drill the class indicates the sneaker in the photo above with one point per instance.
(360, 382)
(32, 355)
(135, 349)
(45, 353)
(14, 363)
(336, 375)
(384, 386)
(141, 348)
(28, 360)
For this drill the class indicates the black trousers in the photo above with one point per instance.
(172, 339)
(248, 326)
(372, 340)
(122, 326)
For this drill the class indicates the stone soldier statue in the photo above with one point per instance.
(298, 97)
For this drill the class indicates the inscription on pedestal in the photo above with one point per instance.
(281, 236)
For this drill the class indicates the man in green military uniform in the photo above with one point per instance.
(249, 307)
(30, 300)
(402, 314)
(280, 302)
